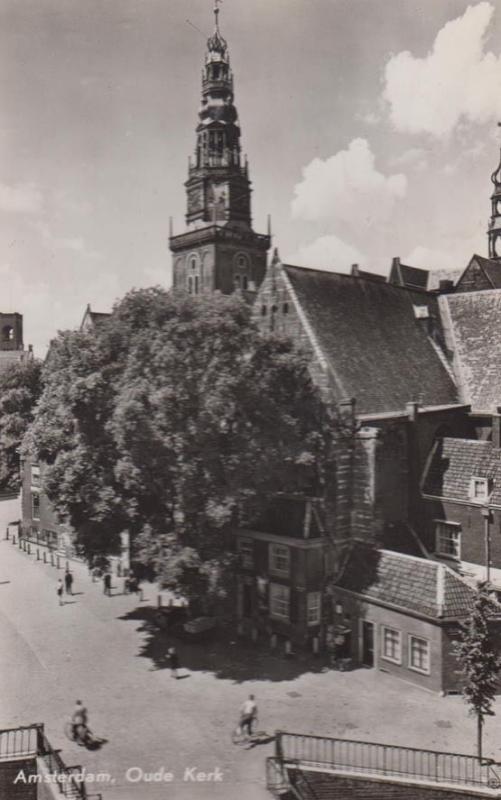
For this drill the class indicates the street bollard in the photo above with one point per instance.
(13, 538)
(159, 601)
(58, 563)
(29, 549)
(6, 533)
(52, 559)
(44, 557)
(38, 554)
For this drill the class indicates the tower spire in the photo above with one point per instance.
(220, 250)
(494, 232)
(216, 13)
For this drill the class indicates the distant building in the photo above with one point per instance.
(11, 341)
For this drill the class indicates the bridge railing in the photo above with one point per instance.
(390, 760)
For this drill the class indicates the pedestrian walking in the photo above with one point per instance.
(173, 662)
(248, 715)
(60, 591)
(107, 583)
(68, 582)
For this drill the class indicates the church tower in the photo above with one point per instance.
(219, 250)
(494, 232)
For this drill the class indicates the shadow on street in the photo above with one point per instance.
(224, 655)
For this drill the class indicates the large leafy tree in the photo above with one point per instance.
(175, 420)
(480, 663)
(20, 388)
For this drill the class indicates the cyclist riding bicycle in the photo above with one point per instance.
(79, 722)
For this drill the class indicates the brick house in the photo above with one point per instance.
(462, 492)
(400, 614)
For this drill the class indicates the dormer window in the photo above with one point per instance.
(480, 488)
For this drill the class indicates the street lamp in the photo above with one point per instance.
(487, 515)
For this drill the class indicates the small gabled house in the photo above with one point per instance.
(462, 511)
(283, 561)
(401, 614)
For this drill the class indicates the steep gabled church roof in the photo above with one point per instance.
(375, 338)
(472, 325)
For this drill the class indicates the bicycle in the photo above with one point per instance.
(241, 736)
(80, 733)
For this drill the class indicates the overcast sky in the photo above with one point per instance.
(370, 127)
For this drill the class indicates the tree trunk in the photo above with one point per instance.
(479, 735)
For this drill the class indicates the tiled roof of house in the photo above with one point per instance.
(472, 322)
(454, 462)
(413, 584)
(370, 335)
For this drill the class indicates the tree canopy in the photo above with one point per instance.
(20, 388)
(480, 663)
(175, 419)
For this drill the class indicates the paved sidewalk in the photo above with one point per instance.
(102, 651)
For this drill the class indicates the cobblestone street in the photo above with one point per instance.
(98, 649)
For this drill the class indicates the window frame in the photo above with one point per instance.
(282, 572)
(246, 553)
(315, 607)
(384, 654)
(276, 589)
(485, 483)
(454, 527)
(421, 670)
(35, 517)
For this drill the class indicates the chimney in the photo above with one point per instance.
(355, 272)
(496, 428)
(445, 286)
(412, 409)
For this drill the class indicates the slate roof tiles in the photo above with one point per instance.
(368, 332)
(416, 585)
(454, 462)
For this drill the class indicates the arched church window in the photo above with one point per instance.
(196, 285)
(285, 308)
(245, 282)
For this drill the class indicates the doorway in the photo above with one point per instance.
(367, 643)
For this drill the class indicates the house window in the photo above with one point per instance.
(279, 601)
(479, 488)
(392, 645)
(285, 308)
(35, 475)
(35, 505)
(447, 539)
(246, 552)
(419, 654)
(279, 559)
(313, 608)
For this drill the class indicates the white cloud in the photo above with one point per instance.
(346, 186)
(23, 198)
(456, 82)
(327, 252)
(414, 158)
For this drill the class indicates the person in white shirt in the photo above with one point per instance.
(248, 714)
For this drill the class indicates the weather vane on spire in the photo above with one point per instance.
(216, 12)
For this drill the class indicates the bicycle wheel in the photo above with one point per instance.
(69, 731)
(238, 736)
